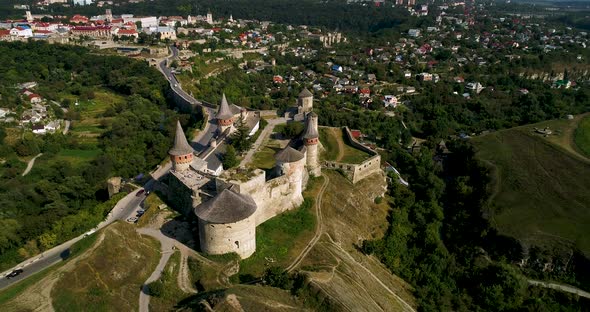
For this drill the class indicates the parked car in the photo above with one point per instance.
(132, 219)
(14, 273)
(147, 193)
(140, 192)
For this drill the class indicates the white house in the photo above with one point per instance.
(21, 32)
(390, 101)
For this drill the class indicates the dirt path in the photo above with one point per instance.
(562, 287)
(183, 280)
(31, 164)
(38, 296)
(167, 249)
(343, 252)
(338, 138)
(318, 228)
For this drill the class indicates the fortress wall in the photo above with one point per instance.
(357, 172)
(367, 168)
(238, 237)
(182, 196)
(353, 142)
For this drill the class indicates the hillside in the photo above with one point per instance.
(541, 185)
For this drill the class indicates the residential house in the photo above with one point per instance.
(390, 101)
(474, 86)
(21, 32)
(414, 32)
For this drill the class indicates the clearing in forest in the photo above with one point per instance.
(540, 184)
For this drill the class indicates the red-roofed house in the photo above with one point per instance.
(4, 34)
(34, 98)
(92, 31)
(356, 134)
(126, 32)
(79, 19)
(365, 92)
(21, 32)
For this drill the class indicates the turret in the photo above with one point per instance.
(181, 154)
(311, 139)
(291, 162)
(224, 116)
(305, 101)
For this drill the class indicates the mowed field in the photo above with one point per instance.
(541, 186)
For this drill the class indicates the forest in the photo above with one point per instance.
(60, 199)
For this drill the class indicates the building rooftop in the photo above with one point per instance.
(288, 155)
(224, 111)
(311, 131)
(305, 93)
(227, 207)
(181, 146)
(191, 178)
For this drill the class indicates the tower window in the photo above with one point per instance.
(237, 244)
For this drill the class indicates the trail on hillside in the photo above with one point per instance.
(338, 137)
(319, 227)
(31, 164)
(183, 279)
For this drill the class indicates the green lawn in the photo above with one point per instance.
(541, 189)
(329, 143)
(582, 136)
(264, 159)
(333, 140)
(283, 237)
(77, 156)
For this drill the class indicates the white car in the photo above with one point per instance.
(132, 219)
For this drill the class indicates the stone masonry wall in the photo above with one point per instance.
(357, 172)
(238, 237)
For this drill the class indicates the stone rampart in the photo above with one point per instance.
(356, 172)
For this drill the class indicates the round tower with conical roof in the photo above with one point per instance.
(311, 139)
(181, 153)
(291, 163)
(224, 116)
(227, 224)
(305, 101)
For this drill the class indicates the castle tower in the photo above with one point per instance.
(231, 18)
(291, 163)
(227, 224)
(224, 116)
(209, 18)
(311, 139)
(29, 17)
(305, 102)
(181, 154)
(108, 15)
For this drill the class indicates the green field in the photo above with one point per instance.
(77, 156)
(540, 190)
(582, 136)
(90, 127)
(282, 238)
(336, 147)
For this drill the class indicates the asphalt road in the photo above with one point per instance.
(125, 208)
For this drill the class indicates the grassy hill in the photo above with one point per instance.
(582, 136)
(541, 184)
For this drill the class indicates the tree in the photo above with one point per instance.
(240, 139)
(230, 159)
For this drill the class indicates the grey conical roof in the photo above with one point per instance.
(288, 155)
(305, 93)
(224, 111)
(311, 127)
(227, 207)
(181, 146)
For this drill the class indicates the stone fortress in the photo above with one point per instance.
(230, 204)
